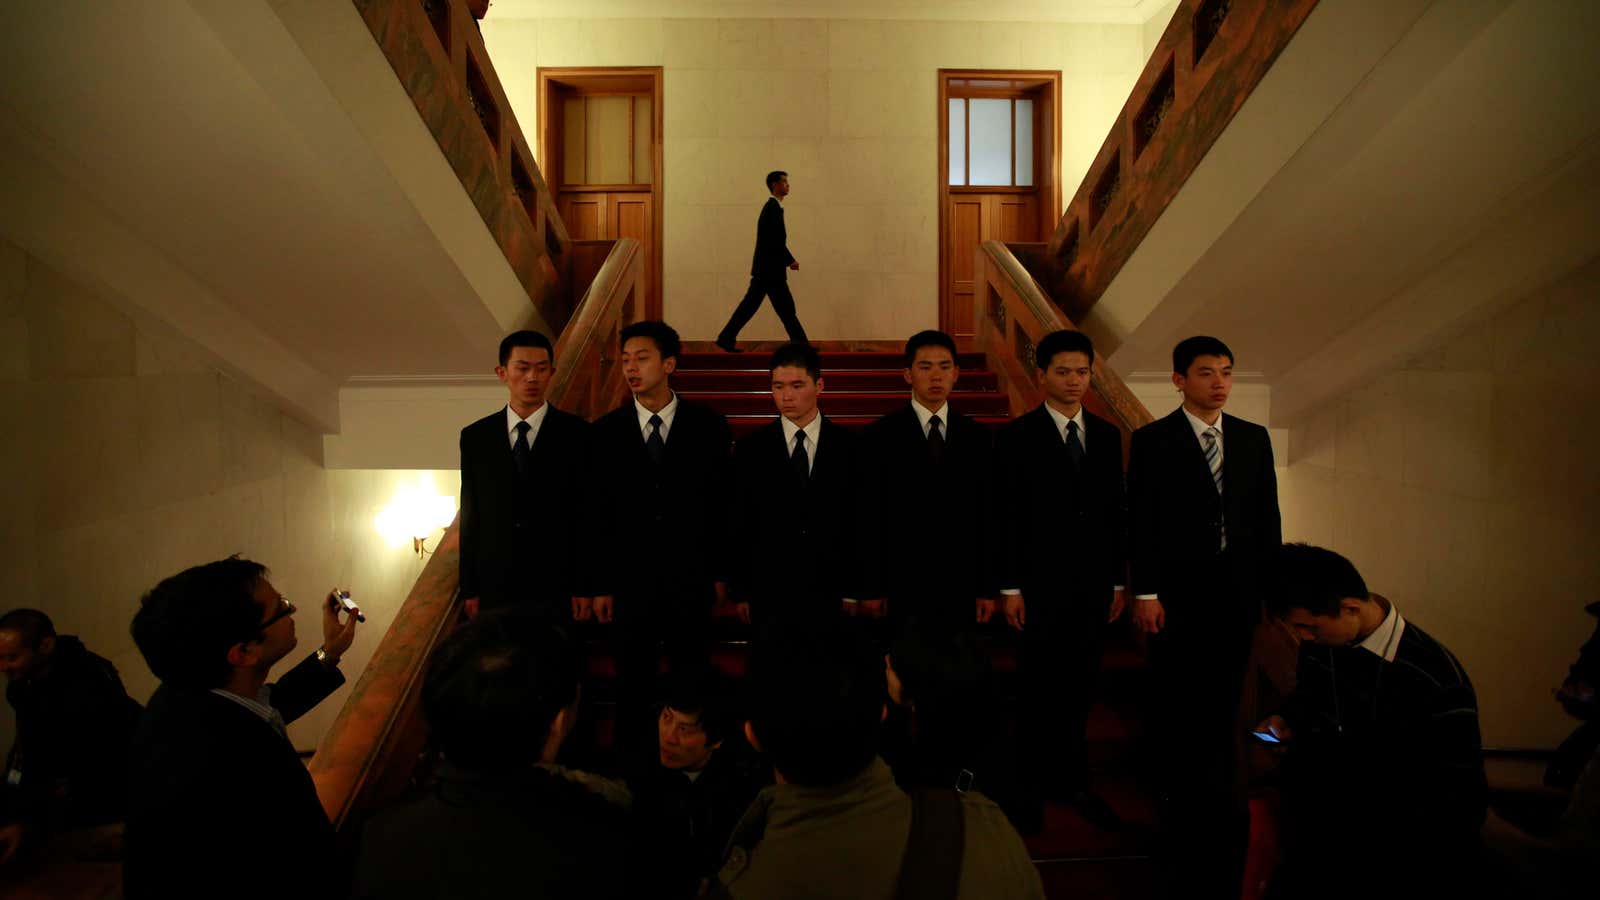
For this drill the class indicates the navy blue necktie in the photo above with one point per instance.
(656, 447)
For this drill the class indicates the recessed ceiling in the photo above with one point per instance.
(1124, 12)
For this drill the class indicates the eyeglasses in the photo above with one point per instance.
(285, 608)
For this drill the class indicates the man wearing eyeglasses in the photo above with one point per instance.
(215, 781)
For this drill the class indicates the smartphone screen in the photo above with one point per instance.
(1265, 737)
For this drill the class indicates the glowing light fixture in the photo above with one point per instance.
(415, 513)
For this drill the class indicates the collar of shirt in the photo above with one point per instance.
(813, 434)
(1384, 641)
(1200, 426)
(1061, 425)
(261, 706)
(534, 420)
(924, 414)
(666, 414)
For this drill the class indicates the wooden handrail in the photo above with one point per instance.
(437, 53)
(368, 755)
(1012, 321)
(1211, 57)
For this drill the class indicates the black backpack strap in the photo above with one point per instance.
(931, 866)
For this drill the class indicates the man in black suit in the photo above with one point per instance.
(521, 481)
(798, 494)
(219, 801)
(768, 277)
(928, 474)
(1203, 503)
(663, 478)
(1061, 564)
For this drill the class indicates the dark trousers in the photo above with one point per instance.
(1056, 667)
(776, 287)
(1199, 662)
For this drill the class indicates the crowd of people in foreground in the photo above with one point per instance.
(864, 754)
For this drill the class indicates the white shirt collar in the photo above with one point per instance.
(924, 414)
(1199, 425)
(813, 436)
(1384, 641)
(534, 420)
(1061, 424)
(261, 705)
(666, 414)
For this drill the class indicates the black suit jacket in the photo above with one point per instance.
(519, 543)
(221, 804)
(797, 541)
(772, 258)
(663, 529)
(929, 524)
(1176, 514)
(1063, 531)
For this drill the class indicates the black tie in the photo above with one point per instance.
(799, 459)
(935, 440)
(521, 452)
(654, 444)
(1074, 446)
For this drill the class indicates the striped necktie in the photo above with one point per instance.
(1213, 440)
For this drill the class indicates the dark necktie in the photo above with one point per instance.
(935, 440)
(654, 444)
(521, 452)
(799, 459)
(1074, 445)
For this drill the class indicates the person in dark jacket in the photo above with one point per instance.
(768, 271)
(219, 800)
(68, 768)
(1383, 747)
(686, 805)
(500, 820)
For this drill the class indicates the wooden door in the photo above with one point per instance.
(972, 219)
(630, 216)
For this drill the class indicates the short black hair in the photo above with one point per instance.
(930, 338)
(31, 625)
(772, 178)
(803, 356)
(1064, 341)
(493, 689)
(707, 694)
(186, 625)
(1300, 576)
(525, 339)
(816, 701)
(1183, 355)
(665, 337)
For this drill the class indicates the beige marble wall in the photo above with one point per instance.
(130, 460)
(848, 108)
(1463, 486)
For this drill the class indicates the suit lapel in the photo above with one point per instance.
(1190, 449)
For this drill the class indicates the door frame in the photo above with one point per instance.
(1046, 156)
(553, 80)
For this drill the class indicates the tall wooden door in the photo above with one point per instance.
(997, 180)
(600, 140)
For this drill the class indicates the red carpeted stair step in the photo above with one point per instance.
(831, 359)
(847, 403)
(834, 380)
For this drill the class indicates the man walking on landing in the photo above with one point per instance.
(768, 277)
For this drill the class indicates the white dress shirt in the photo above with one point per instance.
(924, 414)
(534, 420)
(1384, 641)
(813, 432)
(666, 414)
(261, 706)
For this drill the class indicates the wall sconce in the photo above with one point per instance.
(415, 513)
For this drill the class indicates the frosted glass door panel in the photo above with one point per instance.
(989, 141)
(958, 141)
(1024, 125)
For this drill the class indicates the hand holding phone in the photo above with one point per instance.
(342, 598)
